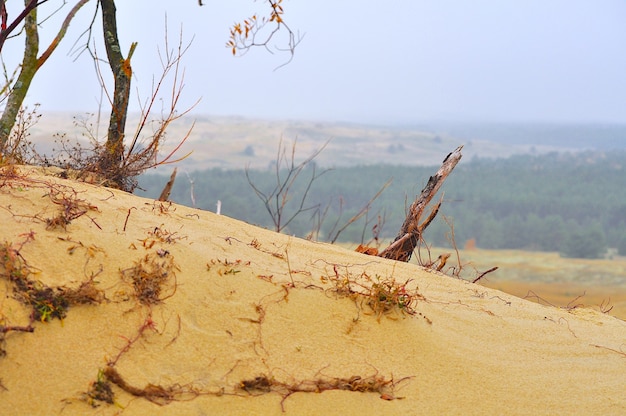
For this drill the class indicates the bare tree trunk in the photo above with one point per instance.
(122, 72)
(411, 231)
(20, 88)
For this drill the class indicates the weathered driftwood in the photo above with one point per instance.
(411, 231)
(167, 190)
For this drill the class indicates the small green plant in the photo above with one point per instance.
(99, 391)
(227, 267)
(47, 303)
(387, 295)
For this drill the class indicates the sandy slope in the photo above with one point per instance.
(230, 314)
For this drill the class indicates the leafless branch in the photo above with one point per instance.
(28, 7)
(480, 276)
(287, 172)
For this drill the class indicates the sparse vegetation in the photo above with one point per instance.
(71, 207)
(115, 162)
(100, 391)
(46, 303)
(371, 384)
(383, 296)
(249, 364)
(386, 297)
(149, 276)
(18, 147)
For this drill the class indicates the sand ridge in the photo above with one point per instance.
(248, 321)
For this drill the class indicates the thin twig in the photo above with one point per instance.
(493, 269)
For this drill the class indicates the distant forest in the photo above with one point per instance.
(572, 203)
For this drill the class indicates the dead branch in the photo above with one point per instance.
(155, 393)
(167, 190)
(493, 269)
(287, 172)
(5, 329)
(409, 236)
(7, 29)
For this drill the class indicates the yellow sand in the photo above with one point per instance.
(241, 302)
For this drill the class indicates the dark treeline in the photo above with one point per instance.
(574, 203)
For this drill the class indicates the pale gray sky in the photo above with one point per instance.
(370, 61)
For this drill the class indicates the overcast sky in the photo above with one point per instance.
(405, 61)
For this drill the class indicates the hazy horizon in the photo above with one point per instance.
(406, 63)
(231, 142)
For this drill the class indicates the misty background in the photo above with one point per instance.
(401, 62)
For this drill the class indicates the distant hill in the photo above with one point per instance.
(236, 142)
(562, 136)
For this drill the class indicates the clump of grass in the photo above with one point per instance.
(226, 266)
(150, 274)
(259, 384)
(53, 302)
(85, 293)
(71, 208)
(388, 295)
(12, 265)
(47, 302)
(382, 295)
(163, 235)
(99, 391)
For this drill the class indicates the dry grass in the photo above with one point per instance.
(545, 277)
(150, 275)
(381, 295)
(370, 384)
(548, 278)
(46, 302)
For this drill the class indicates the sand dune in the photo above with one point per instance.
(184, 312)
